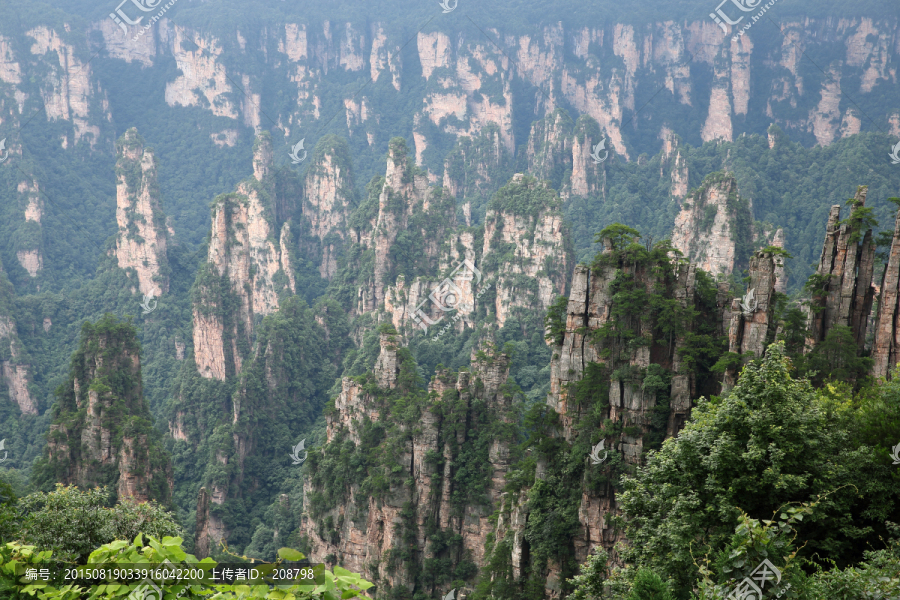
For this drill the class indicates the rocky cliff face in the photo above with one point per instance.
(630, 394)
(385, 523)
(328, 199)
(408, 208)
(750, 318)
(90, 443)
(29, 251)
(844, 293)
(142, 239)
(466, 84)
(247, 265)
(414, 266)
(713, 228)
(536, 271)
(886, 345)
(475, 169)
(562, 152)
(15, 370)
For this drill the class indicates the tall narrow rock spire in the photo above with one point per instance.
(142, 238)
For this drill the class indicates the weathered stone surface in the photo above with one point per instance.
(91, 450)
(369, 527)
(15, 372)
(387, 367)
(780, 274)
(847, 266)
(711, 243)
(247, 254)
(142, 237)
(752, 315)
(327, 202)
(201, 537)
(886, 346)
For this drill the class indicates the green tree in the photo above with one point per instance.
(620, 236)
(769, 442)
(836, 358)
(72, 522)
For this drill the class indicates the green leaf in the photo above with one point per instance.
(293, 555)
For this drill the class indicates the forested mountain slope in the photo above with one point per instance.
(385, 283)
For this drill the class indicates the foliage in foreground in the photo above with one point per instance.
(72, 523)
(775, 470)
(328, 585)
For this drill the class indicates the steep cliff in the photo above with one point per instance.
(15, 368)
(714, 227)
(631, 348)
(414, 512)
(527, 252)
(842, 291)
(560, 151)
(400, 231)
(29, 246)
(416, 267)
(328, 200)
(475, 169)
(464, 84)
(247, 269)
(142, 239)
(224, 430)
(102, 431)
(751, 317)
(886, 345)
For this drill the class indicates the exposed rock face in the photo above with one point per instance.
(476, 169)
(528, 279)
(886, 346)
(328, 200)
(201, 537)
(387, 368)
(142, 239)
(560, 151)
(70, 90)
(541, 257)
(15, 370)
(29, 248)
(674, 160)
(405, 204)
(365, 527)
(752, 315)
(845, 269)
(548, 149)
(780, 274)
(245, 264)
(87, 442)
(713, 224)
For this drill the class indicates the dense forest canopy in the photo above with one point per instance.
(522, 300)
